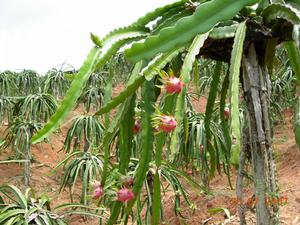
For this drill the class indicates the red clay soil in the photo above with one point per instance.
(287, 156)
(288, 164)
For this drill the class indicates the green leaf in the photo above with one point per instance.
(146, 152)
(223, 32)
(270, 54)
(206, 16)
(129, 90)
(161, 11)
(13, 161)
(234, 77)
(159, 62)
(114, 40)
(97, 41)
(147, 139)
(126, 137)
(71, 96)
(294, 3)
(168, 108)
(65, 160)
(218, 210)
(9, 214)
(280, 11)
(170, 19)
(156, 205)
(208, 115)
(17, 193)
(224, 123)
(108, 92)
(224, 126)
(185, 76)
(111, 131)
(294, 57)
(262, 5)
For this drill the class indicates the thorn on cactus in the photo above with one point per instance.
(172, 84)
(125, 195)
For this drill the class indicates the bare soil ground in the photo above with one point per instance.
(47, 155)
(287, 156)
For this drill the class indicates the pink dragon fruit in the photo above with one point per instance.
(173, 85)
(167, 123)
(98, 189)
(125, 195)
(98, 192)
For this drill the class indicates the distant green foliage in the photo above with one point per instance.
(18, 136)
(36, 107)
(55, 83)
(84, 165)
(28, 82)
(85, 133)
(8, 85)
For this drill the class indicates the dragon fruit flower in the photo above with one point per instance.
(125, 195)
(172, 84)
(98, 192)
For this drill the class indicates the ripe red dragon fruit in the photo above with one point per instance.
(98, 192)
(98, 189)
(226, 113)
(173, 85)
(167, 123)
(125, 195)
(137, 127)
